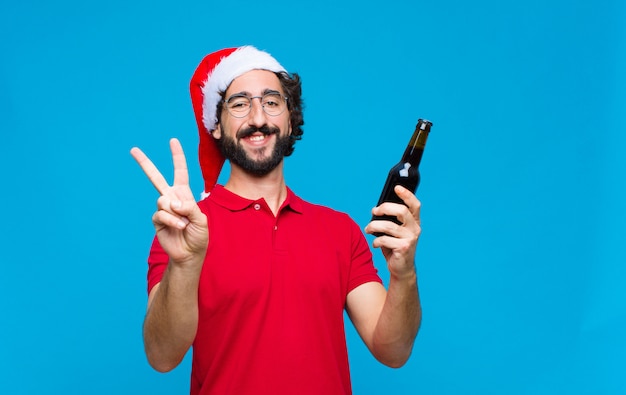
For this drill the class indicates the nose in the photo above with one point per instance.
(257, 115)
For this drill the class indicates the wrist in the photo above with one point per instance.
(408, 276)
(189, 265)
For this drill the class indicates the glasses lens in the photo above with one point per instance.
(238, 105)
(274, 104)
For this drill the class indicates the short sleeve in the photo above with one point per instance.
(362, 269)
(157, 263)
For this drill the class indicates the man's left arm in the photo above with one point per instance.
(388, 320)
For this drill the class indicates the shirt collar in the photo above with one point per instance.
(234, 202)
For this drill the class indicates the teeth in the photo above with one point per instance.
(257, 137)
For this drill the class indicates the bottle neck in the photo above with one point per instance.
(415, 148)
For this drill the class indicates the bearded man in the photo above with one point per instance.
(254, 278)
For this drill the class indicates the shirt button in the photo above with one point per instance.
(257, 206)
(275, 227)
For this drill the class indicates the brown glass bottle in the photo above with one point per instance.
(406, 172)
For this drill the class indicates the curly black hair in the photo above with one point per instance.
(292, 86)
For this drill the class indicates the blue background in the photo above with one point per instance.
(521, 262)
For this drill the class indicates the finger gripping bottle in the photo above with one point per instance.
(406, 172)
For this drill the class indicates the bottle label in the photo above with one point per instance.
(404, 172)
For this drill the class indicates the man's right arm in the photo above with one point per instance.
(172, 318)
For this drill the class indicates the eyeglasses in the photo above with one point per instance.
(239, 105)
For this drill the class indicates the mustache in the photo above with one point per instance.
(266, 130)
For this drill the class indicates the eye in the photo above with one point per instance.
(238, 103)
(272, 100)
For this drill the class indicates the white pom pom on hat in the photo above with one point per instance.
(212, 77)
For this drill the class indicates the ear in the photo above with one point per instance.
(217, 133)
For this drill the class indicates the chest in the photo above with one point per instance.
(257, 259)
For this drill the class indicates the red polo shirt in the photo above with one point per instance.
(272, 295)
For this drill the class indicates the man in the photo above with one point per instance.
(253, 277)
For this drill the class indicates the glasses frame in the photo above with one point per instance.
(250, 98)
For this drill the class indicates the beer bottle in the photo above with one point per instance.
(406, 172)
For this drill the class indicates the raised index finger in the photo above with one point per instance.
(155, 176)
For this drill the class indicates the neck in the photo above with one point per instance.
(271, 187)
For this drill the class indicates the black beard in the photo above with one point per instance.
(235, 153)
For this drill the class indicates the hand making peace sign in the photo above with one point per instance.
(180, 226)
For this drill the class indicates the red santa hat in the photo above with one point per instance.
(213, 76)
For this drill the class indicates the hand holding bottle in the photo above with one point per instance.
(398, 239)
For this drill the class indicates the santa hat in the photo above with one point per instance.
(214, 74)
